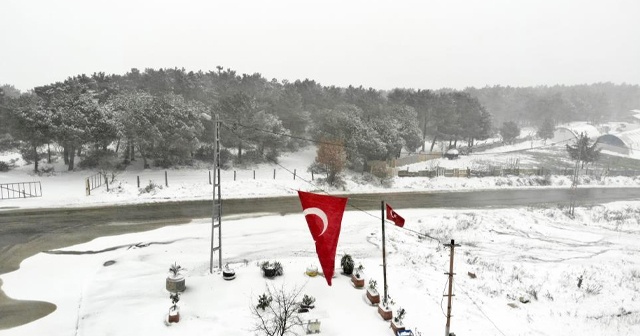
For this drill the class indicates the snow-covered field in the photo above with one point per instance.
(530, 253)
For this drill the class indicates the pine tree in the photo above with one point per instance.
(583, 151)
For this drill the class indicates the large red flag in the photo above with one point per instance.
(324, 217)
(394, 217)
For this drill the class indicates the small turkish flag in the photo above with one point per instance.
(394, 217)
(324, 218)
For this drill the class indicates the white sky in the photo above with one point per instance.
(382, 44)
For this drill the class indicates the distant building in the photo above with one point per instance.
(634, 117)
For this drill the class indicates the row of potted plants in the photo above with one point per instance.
(384, 307)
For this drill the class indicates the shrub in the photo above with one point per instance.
(308, 300)
(151, 187)
(4, 167)
(264, 301)
(347, 264)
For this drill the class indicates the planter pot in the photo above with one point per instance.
(397, 326)
(312, 271)
(175, 285)
(303, 306)
(373, 296)
(385, 313)
(228, 274)
(357, 282)
(174, 316)
(313, 327)
(269, 272)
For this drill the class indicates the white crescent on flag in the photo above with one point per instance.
(319, 213)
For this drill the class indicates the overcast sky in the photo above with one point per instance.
(382, 44)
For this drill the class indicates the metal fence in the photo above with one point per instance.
(20, 190)
(92, 182)
(500, 171)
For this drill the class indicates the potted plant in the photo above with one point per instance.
(312, 270)
(264, 301)
(307, 302)
(384, 308)
(271, 269)
(228, 273)
(175, 281)
(372, 292)
(347, 264)
(174, 310)
(397, 324)
(358, 277)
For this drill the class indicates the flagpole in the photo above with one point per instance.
(384, 255)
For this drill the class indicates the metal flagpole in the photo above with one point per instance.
(384, 255)
(216, 211)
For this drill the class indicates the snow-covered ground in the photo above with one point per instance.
(530, 253)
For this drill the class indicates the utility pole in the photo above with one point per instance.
(384, 256)
(216, 211)
(450, 295)
(574, 183)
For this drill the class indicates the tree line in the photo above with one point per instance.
(164, 116)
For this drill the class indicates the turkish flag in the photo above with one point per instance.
(394, 217)
(324, 217)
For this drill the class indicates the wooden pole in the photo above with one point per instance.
(384, 256)
(138, 178)
(294, 174)
(166, 180)
(450, 295)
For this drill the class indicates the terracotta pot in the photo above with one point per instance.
(385, 313)
(357, 282)
(174, 316)
(396, 326)
(373, 296)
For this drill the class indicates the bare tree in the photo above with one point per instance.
(278, 315)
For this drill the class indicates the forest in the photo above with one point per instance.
(165, 116)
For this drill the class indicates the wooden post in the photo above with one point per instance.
(106, 181)
(274, 173)
(209, 177)
(254, 174)
(88, 188)
(311, 175)
(450, 295)
(166, 180)
(234, 175)
(294, 174)
(138, 178)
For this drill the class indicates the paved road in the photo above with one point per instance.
(24, 233)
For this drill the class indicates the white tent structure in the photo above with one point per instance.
(623, 143)
(568, 133)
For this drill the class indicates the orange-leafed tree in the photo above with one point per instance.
(331, 159)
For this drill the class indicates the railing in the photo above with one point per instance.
(94, 181)
(499, 171)
(20, 190)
